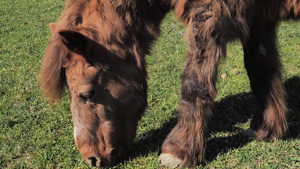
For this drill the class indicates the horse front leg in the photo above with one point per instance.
(263, 65)
(185, 144)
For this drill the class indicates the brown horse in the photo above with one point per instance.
(97, 51)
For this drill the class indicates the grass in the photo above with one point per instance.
(33, 135)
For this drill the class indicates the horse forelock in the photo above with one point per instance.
(100, 22)
(93, 15)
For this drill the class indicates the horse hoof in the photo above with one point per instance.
(169, 161)
(249, 133)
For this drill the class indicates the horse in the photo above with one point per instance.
(97, 52)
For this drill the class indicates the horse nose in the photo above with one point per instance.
(94, 161)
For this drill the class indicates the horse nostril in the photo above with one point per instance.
(94, 161)
(87, 94)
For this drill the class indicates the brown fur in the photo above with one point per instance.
(211, 25)
(97, 51)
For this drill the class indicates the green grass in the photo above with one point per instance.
(33, 135)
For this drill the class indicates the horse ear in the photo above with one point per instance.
(52, 27)
(74, 41)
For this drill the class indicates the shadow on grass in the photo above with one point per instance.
(228, 112)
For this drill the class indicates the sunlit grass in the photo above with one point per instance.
(33, 135)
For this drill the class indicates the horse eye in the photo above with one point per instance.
(86, 95)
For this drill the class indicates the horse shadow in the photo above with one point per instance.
(228, 115)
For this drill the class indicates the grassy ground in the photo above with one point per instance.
(33, 135)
